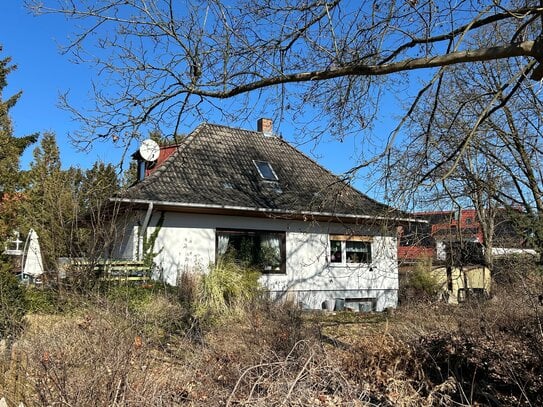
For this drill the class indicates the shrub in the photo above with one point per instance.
(13, 304)
(155, 311)
(131, 297)
(95, 359)
(41, 301)
(187, 288)
(425, 282)
(226, 289)
(280, 325)
(422, 283)
(514, 269)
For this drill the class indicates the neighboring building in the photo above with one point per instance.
(250, 195)
(457, 230)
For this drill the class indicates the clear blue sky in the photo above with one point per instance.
(43, 74)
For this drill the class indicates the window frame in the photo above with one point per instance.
(275, 178)
(343, 240)
(257, 233)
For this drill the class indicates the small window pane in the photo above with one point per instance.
(265, 170)
(270, 252)
(335, 251)
(358, 252)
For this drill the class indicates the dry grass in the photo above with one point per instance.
(94, 359)
(423, 355)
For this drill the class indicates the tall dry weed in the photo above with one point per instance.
(97, 358)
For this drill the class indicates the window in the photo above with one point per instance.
(350, 249)
(358, 252)
(336, 252)
(263, 250)
(266, 171)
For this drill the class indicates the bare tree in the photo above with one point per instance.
(486, 145)
(163, 61)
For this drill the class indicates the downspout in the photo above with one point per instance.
(143, 230)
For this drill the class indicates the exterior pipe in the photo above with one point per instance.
(143, 230)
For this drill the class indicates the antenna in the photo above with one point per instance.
(149, 150)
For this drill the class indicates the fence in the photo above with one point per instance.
(110, 270)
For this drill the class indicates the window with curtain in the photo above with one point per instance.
(263, 250)
(358, 252)
(336, 251)
(350, 249)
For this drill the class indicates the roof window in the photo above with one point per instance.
(265, 170)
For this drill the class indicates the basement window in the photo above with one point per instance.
(261, 250)
(266, 171)
(350, 249)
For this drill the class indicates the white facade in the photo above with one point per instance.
(187, 242)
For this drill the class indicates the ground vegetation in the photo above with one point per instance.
(153, 346)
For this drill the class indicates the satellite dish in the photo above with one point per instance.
(149, 150)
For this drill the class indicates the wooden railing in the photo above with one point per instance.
(115, 270)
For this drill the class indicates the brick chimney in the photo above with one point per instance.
(265, 126)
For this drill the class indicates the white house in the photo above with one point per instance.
(250, 195)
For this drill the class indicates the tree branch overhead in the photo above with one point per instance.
(160, 60)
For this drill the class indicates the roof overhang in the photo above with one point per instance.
(264, 212)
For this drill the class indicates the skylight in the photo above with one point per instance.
(265, 170)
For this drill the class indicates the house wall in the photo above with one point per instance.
(186, 242)
(126, 236)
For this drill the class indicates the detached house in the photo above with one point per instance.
(252, 196)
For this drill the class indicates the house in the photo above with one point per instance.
(458, 230)
(453, 241)
(249, 194)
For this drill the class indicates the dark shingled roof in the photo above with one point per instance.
(214, 165)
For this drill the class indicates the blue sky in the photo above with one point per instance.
(43, 74)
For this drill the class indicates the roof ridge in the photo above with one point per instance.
(272, 136)
(229, 127)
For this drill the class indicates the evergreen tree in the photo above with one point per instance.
(130, 175)
(11, 148)
(98, 185)
(51, 206)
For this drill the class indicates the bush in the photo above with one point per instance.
(97, 359)
(187, 288)
(226, 290)
(41, 301)
(514, 269)
(425, 282)
(131, 297)
(422, 284)
(154, 310)
(280, 325)
(13, 305)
